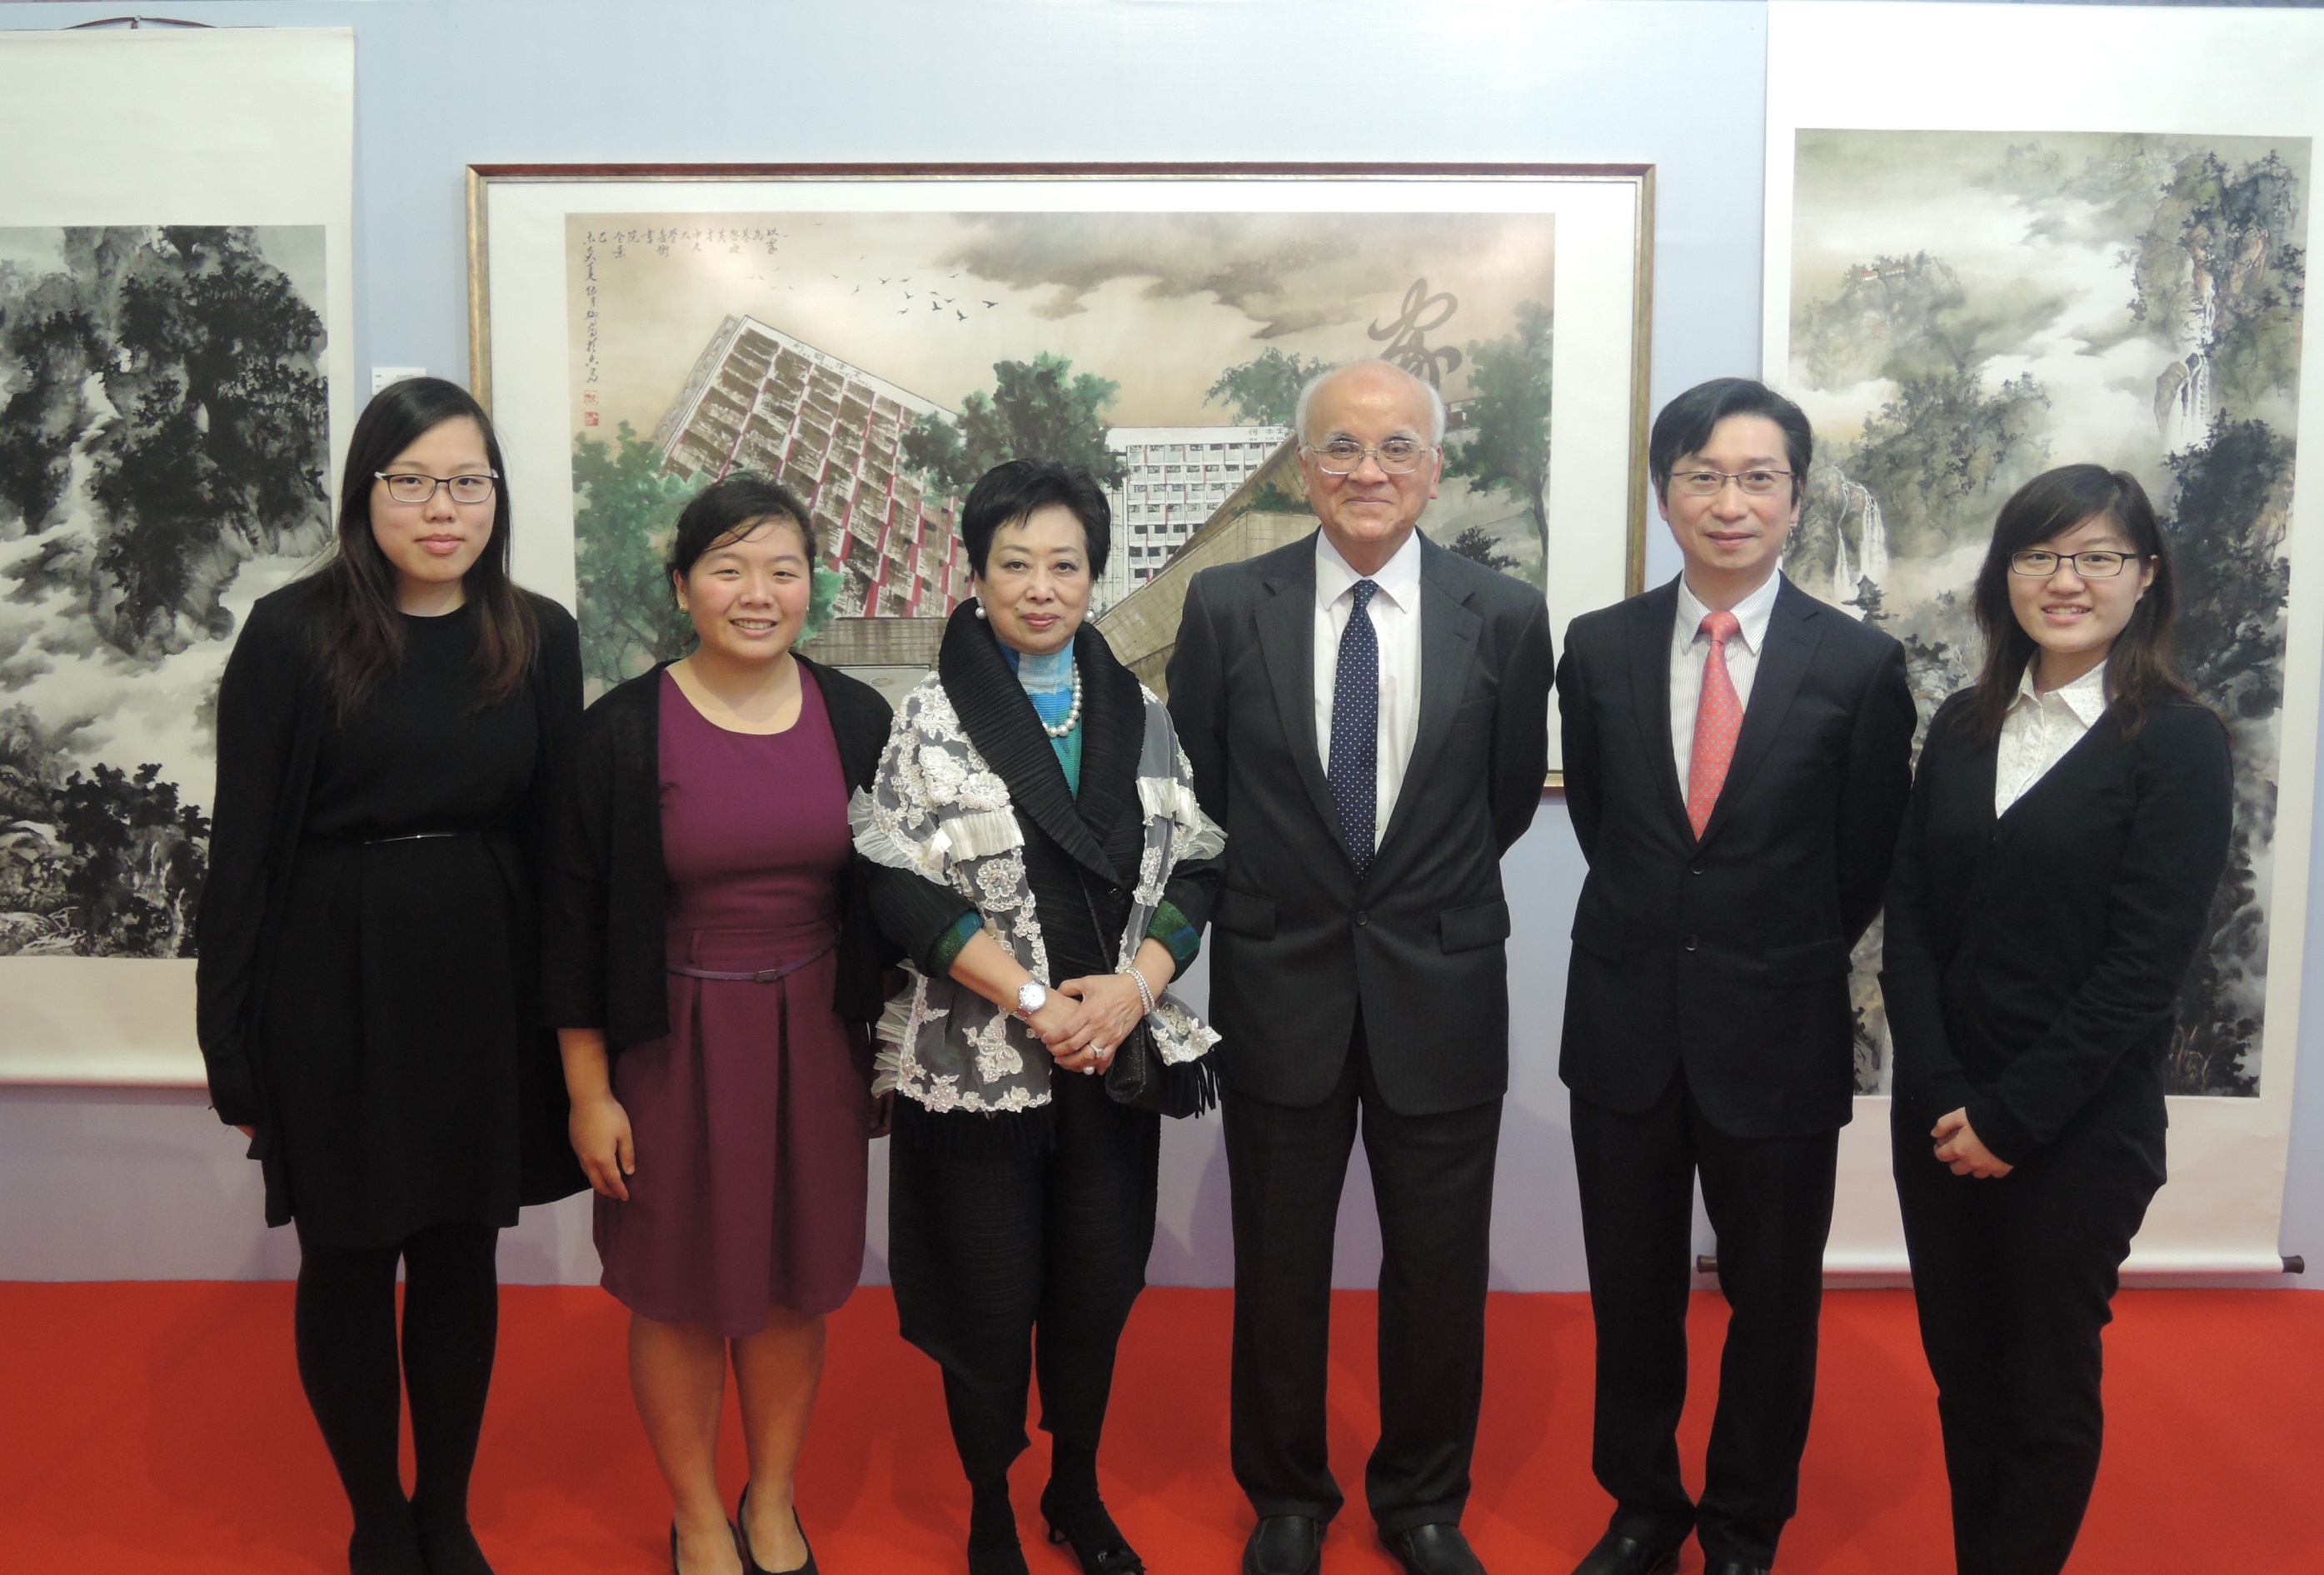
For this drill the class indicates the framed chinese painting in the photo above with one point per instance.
(876, 337)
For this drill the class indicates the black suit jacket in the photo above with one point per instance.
(2031, 962)
(604, 929)
(1296, 941)
(1730, 954)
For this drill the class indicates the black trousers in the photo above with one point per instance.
(2013, 1278)
(1433, 1179)
(1770, 1201)
(1004, 1264)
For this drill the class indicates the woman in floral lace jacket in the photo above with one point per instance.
(1046, 868)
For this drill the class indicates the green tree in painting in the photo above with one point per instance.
(220, 435)
(1942, 453)
(1264, 391)
(624, 508)
(213, 448)
(1508, 416)
(1476, 545)
(1041, 409)
(2227, 529)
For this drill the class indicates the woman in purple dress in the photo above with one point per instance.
(712, 991)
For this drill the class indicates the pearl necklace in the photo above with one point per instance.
(1073, 716)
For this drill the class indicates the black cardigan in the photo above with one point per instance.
(2032, 964)
(273, 707)
(1081, 852)
(603, 910)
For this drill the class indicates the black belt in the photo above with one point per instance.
(758, 975)
(338, 842)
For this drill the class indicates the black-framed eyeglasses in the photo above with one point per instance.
(1345, 456)
(2037, 565)
(411, 487)
(1707, 484)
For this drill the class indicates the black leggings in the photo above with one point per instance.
(346, 1343)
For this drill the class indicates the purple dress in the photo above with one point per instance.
(750, 1120)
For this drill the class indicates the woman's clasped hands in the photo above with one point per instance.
(1070, 1024)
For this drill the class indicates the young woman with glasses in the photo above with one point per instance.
(2067, 828)
(385, 730)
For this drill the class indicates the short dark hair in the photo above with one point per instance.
(2139, 669)
(726, 509)
(1015, 488)
(1687, 422)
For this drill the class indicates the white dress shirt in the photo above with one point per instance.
(1690, 646)
(2039, 729)
(1395, 612)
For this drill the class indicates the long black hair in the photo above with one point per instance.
(2139, 673)
(360, 634)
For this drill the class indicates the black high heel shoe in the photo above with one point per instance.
(751, 1565)
(1096, 1541)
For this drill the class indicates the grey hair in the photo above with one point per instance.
(1307, 392)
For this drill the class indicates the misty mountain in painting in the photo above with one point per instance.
(1971, 309)
(163, 443)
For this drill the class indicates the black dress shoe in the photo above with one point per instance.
(1437, 1548)
(452, 1549)
(1284, 1545)
(751, 1565)
(1099, 1547)
(1622, 1553)
(1733, 1567)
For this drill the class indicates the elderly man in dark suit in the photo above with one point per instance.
(1367, 715)
(1736, 763)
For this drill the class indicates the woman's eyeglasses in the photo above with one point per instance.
(2090, 566)
(405, 487)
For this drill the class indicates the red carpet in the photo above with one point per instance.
(159, 1427)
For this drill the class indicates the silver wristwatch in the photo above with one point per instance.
(1031, 997)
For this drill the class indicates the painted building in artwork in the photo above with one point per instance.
(1269, 510)
(762, 400)
(1174, 479)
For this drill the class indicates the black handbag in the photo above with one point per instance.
(1139, 1077)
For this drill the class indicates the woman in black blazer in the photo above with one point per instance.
(2067, 828)
(712, 972)
(387, 729)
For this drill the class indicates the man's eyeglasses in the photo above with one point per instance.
(1343, 456)
(2090, 565)
(407, 488)
(1707, 483)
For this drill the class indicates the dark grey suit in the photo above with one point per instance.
(1383, 1000)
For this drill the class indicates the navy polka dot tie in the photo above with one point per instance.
(1354, 767)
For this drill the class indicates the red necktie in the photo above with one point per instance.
(1718, 718)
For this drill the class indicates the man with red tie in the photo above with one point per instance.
(1736, 763)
